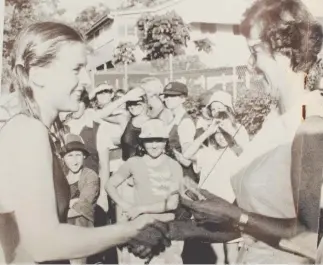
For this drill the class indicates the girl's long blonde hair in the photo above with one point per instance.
(37, 45)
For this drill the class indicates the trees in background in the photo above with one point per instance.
(19, 13)
(124, 55)
(162, 35)
(89, 16)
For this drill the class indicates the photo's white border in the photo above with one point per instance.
(2, 6)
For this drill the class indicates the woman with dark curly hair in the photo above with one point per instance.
(279, 175)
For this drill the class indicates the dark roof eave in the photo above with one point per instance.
(99, 22)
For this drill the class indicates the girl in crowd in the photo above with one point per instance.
(34, 192)
(84, 185)
(157, 181)
(156, 107)
(279, 175)
(213, 153)
(137, 107)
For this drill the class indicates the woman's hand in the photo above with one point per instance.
(212, 210)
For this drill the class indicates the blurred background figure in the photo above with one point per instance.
(156, 107)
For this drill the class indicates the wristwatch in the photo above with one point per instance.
(243, 220)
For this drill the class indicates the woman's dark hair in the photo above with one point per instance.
(286, 27)
(141, 151)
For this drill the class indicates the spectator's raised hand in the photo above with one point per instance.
(135, 94)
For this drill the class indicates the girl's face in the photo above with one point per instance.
(217, 107)
(136, 108)
(173, 102)
(154, 147)
(62, 82)
(221, 141)
(74, 160)
(104, 98)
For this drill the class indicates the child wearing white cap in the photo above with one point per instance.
(157, 183)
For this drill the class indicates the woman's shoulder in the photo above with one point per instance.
(25, 127)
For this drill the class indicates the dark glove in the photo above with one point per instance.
(151, 241)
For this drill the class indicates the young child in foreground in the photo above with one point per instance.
(157, 182)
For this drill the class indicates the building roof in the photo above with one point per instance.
(101, 55)
(106, 18)
(209, 11)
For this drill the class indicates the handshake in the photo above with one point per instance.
(206, 209)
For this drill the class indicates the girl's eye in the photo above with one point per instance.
(77, 69)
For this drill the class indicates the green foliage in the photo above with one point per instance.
(18, 14)
(160, 36)
(203, 45)
(124, 53)
(191, 105)
(89, 16)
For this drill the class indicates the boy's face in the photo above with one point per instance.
(74, 160)
(173, 102)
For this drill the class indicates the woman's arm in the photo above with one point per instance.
(35, 207)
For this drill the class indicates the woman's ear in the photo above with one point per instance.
(37, 76)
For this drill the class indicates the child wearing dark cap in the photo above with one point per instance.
(84, 185)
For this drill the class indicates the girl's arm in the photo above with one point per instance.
(89, 193)
(110, 108)
(123, 173)
(195, 146)
(103, 144)
(40, 231)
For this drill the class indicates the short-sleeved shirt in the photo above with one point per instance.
(152, 183)
(262, 182)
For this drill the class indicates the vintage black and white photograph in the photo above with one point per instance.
(161, 132)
